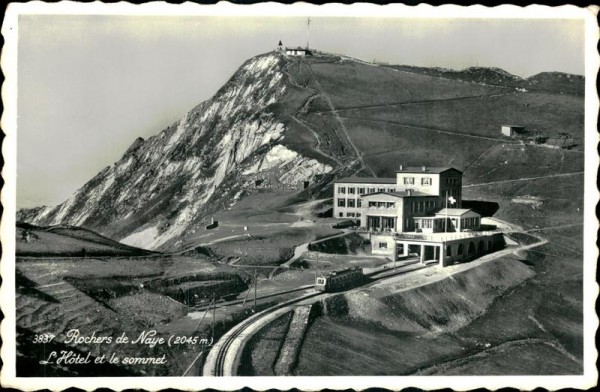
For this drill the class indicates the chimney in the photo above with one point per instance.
(400, 167)
(424, 168)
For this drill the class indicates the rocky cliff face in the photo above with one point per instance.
(164, 185)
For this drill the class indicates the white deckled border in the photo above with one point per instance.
(9, 148)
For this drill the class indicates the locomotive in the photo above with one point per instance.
(340, 280)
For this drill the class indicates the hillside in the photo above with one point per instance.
(65, 241)
(284, 124)
(553, 82)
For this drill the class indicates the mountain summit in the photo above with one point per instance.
(162, 186)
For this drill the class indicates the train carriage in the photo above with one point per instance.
(340, 280)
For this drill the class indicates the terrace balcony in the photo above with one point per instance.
(377, 230)
(439, 237)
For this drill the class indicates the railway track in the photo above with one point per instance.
(217, 360)
(202, 308)
(219, 353)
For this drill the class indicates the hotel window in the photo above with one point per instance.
(341, 202)
(451, 181)
(426, 181)
(371, 190)
(372, 204)
(358, 214)
(409, 180)
(383, 245)
(413, 206)
(390, 204)
(361, 191)
(420, 206)
(351, 215)
(359, 203)
(381, 204)
(351, 190)
(381, 189)
(351, 203)
(391, 190)
(341, 214)
(342, 189)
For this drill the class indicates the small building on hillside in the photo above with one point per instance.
(511, 130)
(298, 51)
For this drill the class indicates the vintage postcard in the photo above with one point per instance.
(277, 196)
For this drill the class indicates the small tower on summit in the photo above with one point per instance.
(280, 47)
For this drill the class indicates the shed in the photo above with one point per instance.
(511, 130)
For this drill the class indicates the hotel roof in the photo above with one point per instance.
(366, 180)
(428, 169)
(400, 194)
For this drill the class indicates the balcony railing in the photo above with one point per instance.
(445, 236)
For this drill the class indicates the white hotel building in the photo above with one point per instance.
(393, 203)
(418, 212)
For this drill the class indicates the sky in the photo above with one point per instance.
(89, 85)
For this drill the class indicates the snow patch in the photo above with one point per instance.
(278, 156)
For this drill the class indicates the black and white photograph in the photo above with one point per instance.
(208, 195)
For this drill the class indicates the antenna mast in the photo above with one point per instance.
(307, 32)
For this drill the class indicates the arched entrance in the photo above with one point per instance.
(481, 248)
(471, 249)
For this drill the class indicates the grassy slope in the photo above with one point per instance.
(51, 303)
(547, 113)
(69, 241)
(272, 249)
(351, 84)
(386, 146)
(389, 122)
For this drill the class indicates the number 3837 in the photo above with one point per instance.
(43, 338)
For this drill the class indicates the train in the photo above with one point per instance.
(340, 280)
